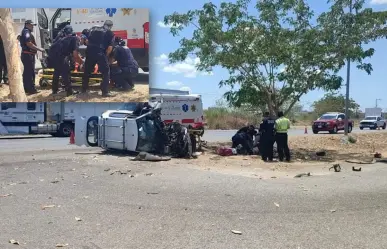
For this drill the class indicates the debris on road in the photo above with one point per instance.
(61, 245)
(108, 169)
(355, 169)
(78, 219)
(332, 210)
(276, 204)
(121, 172)
(377, 155)
(360, 162)
(236, 232)
(55, 181)
(48, 206)
(6, 195)
(149, 174)
(302, 175)
(144, 156)
(15, 242)
(336, 168)
(153, 193)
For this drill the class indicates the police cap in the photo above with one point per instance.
(29, 22)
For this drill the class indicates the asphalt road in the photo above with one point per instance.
(179, 206)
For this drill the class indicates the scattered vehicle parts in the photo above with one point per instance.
(355, 169)
(336, 168)
(302, 175)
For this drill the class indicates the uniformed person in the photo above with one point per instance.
(84, 37)
(282, 125)
(121, 65)
(3, 64)
(66, 50)
(29, 50)
(99, 47)
(267, 137)
(244, 138)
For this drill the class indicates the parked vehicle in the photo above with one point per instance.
(373, 123)
(331, 122)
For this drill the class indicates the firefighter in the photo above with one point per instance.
(60, 55)
(99, 47)
(244, 139)
(122, 64)
(282, 125)
(29, 50)
(3, 64)
(267, 137)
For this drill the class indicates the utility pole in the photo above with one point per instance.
(376, 102)
(348, 80)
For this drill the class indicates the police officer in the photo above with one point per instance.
(3, 64)
(244, 138)
(64, 51)
(29, 50)
(123, 63)
(267, 137)
(282, 125)
(99, 47)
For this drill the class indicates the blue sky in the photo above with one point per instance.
(364, 89)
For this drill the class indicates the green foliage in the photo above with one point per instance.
(229, 118)
(334, 103)
(276, 54)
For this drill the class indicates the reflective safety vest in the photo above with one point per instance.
(282, 125)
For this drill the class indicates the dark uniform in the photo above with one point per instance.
(3, 64)
(61, 63)
(244, 138)
(100, 38)
(121, 73)
(28, 59)
(267, 138)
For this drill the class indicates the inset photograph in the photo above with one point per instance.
(74, 55)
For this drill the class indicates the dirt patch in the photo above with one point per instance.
(140, 93)
(304, 148)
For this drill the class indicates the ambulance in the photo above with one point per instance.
(131, 24)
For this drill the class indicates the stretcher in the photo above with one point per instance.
(75, 78)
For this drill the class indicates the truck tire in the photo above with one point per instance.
(334, 131)
(315, 132)
(65, 129)
(361, 128)
(384, 126)
(350, 129)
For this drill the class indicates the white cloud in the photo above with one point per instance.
(174, 83)
(187, 67)
(162, 25)
(378, 1)
(185, 88)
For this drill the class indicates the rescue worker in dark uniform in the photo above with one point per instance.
(29, 50)
(3, 64)
(84, 37)
(122, 65)
(61, 53)
(282, 125)
(99, 47)
(267, 138)
(244, 138)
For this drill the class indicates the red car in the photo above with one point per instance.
(331, 122)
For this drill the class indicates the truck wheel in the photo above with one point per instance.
(65, 129)
(384, 126)
(334, 131)
(361, 128)
(315, 132)
(349, 129)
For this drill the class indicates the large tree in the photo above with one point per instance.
(12, 55)
(274, 55)
(334, 103)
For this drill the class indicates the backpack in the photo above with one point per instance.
(96, 36)
(54, 53)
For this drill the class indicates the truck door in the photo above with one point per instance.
(59, 20)
(43, 29)
(86, 131)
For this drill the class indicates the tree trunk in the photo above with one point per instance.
(12, 55)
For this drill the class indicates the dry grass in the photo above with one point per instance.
(304, 148)
(140, 93)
